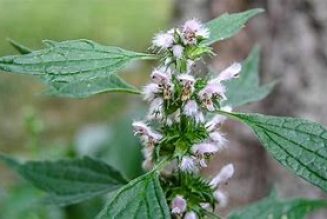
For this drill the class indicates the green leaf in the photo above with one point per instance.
(227, 25)
(298, 144)
(247, 89)
(71, 60)
(142, 198)
(87, 88)
(273, 208)
(69, 181)
(19, 47)
(76, 68)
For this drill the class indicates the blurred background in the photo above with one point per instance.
(293, 37)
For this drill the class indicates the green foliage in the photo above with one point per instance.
(87, 88)
(70, 66)
(23, 201)
(273, 208)
(247, 89)
(298, 144)
(19, 47)
(141, 198)
(69, 181)
(228, 25)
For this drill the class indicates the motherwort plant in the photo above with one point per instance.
(180, 126)
(181, 131)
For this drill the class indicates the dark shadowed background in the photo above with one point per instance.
(293, 37)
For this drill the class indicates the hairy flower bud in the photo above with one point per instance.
(178, 205)
(223, 176)
(188, 164)
(178, 51)
(163, 40)
(151, 91)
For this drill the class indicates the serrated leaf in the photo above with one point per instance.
(19, 47)
(247, 89)
(87, 88)
(298, 144)
(142, 198)
(273, 208)
(69, 181)
(71, 60)
(75, 68)
(227, 25)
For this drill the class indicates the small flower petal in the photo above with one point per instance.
(190, 215)
(163, 40)
(223, 176)
(178, 51)
(204, 148)
(178, 205)
(221, 198)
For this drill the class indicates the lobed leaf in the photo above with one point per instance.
(227, 25)
(247, 89)
(273, 208)
(298, 144)
(69, 181)
(141, 198)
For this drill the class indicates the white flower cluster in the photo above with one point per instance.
(178, 105)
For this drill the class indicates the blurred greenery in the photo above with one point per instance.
(38, 127)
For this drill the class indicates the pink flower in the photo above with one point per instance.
(178, 205)
(150, 91)
(192, 26)
(191, 109)
(188, 164)
(146, 134)
(223, 176)
(233, 71)
(218, 139)
(215, 123)
(163, 40)
(140, 128)
(156, 110)
(210, 92)
(204, 148)
(193, 30)
(178, 51)
(190, 215)
(187, 81)
(161, 76)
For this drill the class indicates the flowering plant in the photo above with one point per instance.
(182, 130)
